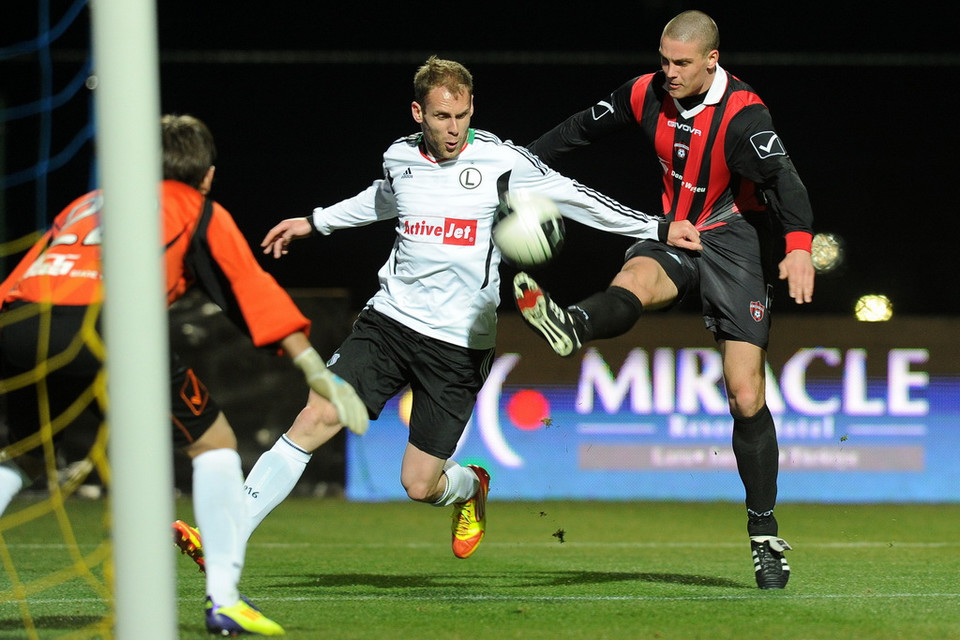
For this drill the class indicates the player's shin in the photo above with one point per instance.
(271, 480)
(757, 453)
(220, 512)
(607, 314)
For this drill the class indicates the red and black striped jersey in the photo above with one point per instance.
(64, 267)
(720, 157)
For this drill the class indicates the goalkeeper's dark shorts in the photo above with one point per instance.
(382, 357)
(66, 389)
(729, 274)
(192, 408)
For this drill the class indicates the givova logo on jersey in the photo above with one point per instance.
(436, 230)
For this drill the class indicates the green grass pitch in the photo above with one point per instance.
(335, 569)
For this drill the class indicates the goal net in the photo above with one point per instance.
(76, 566)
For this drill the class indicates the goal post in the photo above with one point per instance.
(127, 113)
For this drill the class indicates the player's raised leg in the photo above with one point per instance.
(545, 316)
(278, 470)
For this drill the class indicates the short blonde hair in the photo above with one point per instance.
(436, 72)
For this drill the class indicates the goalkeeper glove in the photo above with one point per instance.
(350, 408)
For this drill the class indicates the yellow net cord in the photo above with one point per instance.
(85, 572)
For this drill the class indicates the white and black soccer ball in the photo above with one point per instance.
(528, 229)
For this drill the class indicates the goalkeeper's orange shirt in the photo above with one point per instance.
(64, 267)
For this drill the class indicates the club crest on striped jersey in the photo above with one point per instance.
(436, 230)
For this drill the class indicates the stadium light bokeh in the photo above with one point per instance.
(873, 308)
(826, 252)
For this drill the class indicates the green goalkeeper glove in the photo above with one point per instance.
(350, 408)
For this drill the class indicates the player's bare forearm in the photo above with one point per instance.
(797, 269)
(684, 235)
(279, 237)
(295, 344)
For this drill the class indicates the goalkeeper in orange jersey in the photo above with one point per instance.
(55, 293)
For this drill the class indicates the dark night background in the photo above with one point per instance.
(304, 99)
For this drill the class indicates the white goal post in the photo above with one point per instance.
(127, 114)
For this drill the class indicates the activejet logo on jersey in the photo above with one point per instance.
(441, 230)
(767, 143)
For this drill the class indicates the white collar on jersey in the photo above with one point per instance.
(714, 93)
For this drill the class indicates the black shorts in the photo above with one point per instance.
(735, 290)
(381, 357)
(72, 356)
(192, 408)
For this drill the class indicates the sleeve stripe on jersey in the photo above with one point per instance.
(607, 201)
(486, 136)
(409, 140)
(531, 158)
(612, 203)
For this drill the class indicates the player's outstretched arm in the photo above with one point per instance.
(797, 269)
(279, 237)
(351, 410)
(684, 235)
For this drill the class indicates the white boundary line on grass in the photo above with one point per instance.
(754, 594)
(554, 543)
(638, 545)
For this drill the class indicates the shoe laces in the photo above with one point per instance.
(465, 518)
(769, 553)
(778, 545)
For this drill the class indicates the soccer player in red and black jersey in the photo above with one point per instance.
(726, 170)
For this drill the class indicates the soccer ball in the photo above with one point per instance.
(528, 229)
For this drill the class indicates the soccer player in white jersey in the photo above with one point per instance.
(432, 324)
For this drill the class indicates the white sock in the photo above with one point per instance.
(462, 483)
(272, 479)
(220, 510)
(11, 482)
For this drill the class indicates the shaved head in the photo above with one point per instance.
(694, 27)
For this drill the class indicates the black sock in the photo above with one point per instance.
(607, 314)
(757, 453)
(761, 525)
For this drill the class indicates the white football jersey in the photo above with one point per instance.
(442, 278)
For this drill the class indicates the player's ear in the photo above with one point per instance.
(712, 59)
(417, 112)
(207, 183)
